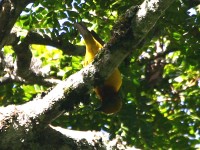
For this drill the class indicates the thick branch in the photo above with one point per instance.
(151, 11)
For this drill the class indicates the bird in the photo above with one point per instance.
(108, 92)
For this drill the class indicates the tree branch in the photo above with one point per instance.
(24, 54)
(63, 44)
(9, 12)
(150, 11)
(32, 37)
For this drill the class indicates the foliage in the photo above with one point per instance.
(161, 111)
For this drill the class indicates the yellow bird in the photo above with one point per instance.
(108, 92)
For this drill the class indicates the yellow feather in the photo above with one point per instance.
(108, 93)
